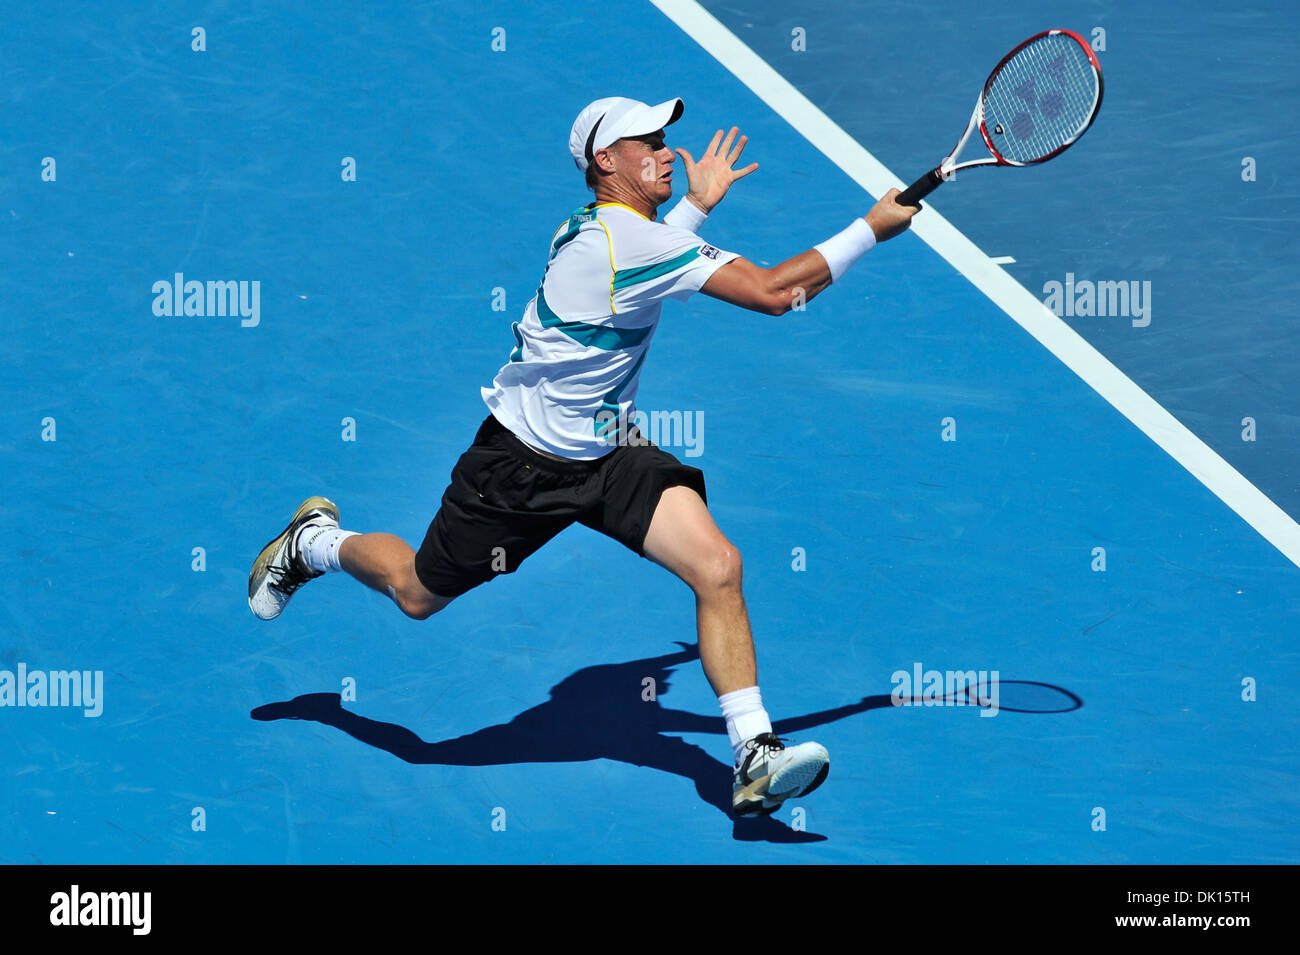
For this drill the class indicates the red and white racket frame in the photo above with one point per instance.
(943, 172)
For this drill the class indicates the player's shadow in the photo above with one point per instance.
(602, 712)
(597, 713)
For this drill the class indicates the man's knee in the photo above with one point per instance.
(719, 569)
(417, 607)
(414, 599)
(420, 605)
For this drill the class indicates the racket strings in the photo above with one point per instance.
(1041, 99)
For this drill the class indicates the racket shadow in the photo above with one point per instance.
(597, 712)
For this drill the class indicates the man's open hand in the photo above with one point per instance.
(712, 176)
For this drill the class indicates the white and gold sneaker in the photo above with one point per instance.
(771, 772)
(279, 569)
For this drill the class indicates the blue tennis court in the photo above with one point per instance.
(916, 483)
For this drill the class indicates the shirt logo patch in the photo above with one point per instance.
(709, 252)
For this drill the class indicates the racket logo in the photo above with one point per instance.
(1051, 105)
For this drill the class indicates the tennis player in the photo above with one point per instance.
(558, 445)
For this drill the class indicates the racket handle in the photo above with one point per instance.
(913, 194)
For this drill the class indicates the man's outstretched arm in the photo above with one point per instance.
(776, 290)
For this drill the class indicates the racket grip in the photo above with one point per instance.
(913, 194)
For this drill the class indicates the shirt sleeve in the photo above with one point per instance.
(665, 262)
(685, 215)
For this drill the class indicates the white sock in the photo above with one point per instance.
(319, 546)
(745, 716)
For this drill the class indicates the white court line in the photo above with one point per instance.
(1200, 460)
(1002, 260)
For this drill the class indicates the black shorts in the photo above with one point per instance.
(505, 501)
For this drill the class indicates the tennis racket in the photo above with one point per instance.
(1035, 104)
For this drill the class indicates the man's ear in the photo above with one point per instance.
(608, 164)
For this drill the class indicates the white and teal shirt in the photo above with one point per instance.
(572, 377)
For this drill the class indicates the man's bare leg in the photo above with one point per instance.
(684, 539)
(386, 563)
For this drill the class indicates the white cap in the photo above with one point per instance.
(608, 120)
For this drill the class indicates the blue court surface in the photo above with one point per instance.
(1147, 711)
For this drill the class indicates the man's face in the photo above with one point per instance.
(645, 165)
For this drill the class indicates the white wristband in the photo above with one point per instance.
(686, 215)
(843, 249)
